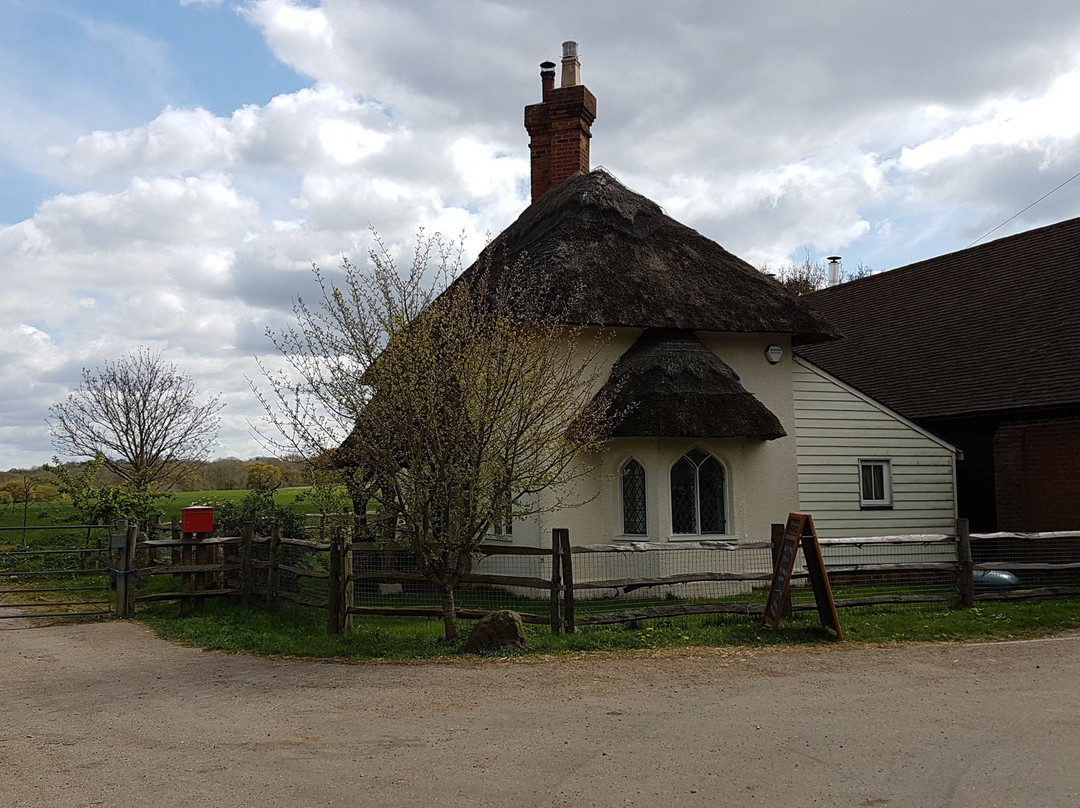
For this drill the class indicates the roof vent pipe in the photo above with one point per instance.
(834, 269)
(571, 67)
(547, 78)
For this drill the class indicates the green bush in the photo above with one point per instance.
(258, 507)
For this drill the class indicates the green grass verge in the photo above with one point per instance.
(299, 632)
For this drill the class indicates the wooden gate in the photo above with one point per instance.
(56, 571)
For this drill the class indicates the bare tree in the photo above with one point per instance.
(809, 275)
(453, 406)
(143, 415)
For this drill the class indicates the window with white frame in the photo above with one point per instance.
(503, 528)
(875, 483)
(698, 498)
(634, 514)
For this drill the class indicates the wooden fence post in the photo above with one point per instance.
(151, 533)
(247, 533)
(777, 542)
(965, 582)
(130, 537)
(187, 579)
(347, 585)
(334, 588)
(556, 581)
(177, 552)
(273, 574)
(116, 557)
(569, 625)
(118, 581)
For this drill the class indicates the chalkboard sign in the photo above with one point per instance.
(800, 530)
(783, 569)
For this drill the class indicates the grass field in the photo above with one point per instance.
(59, 512)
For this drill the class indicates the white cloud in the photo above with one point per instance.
(769, 129)
(322, 125)
(1038, 123)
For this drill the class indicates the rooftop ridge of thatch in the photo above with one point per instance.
(609, 256)
(669, 384)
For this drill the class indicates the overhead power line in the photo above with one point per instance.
(1029, 207)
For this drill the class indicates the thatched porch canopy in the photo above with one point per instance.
(608, 256)
(671, 385)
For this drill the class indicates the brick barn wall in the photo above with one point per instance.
(1037, 475)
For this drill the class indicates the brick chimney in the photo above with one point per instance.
(559, 126)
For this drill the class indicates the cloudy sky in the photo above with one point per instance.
(169, 170)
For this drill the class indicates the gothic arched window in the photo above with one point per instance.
(697, 494)
(634, 521)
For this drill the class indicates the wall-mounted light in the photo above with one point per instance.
(774, 353)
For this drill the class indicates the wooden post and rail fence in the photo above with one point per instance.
(270, 569)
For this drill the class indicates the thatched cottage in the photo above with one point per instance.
(729, 431)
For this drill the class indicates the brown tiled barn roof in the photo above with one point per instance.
(994, 327)
(670, 385)
(614, 258)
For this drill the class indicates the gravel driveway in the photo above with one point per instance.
(107, 714)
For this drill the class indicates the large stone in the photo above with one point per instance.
(497, 630)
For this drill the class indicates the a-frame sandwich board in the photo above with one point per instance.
(800, 530)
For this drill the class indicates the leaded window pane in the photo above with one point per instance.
(711, 493)
(633, 499)
(867, 481)
(684, 496)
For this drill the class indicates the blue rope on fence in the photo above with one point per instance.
(120, 572)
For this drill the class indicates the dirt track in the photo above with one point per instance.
(107, 714)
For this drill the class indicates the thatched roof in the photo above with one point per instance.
(609, 256)
(671, 385)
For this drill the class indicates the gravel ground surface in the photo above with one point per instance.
(107, 714)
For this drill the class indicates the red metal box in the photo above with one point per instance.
(197, 519)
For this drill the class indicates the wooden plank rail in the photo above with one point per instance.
(435, 612)
(667, 580)
(475, 578)
(59, 527)
(187, 595)
(876, 600)
(914, 566)
(1029, 566)
(187, 569)
(673, 547)
(212, 541)
(38, 573)
(303, 600)
(978, 538)
(25, 591)
(888, 541)
(76, 550)
(1019, 594)
(300, 572)
(307, 543)
(44, 603)
(675, 610)
(102, 613)
(485, 549)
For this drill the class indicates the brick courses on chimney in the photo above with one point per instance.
(559, 126)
